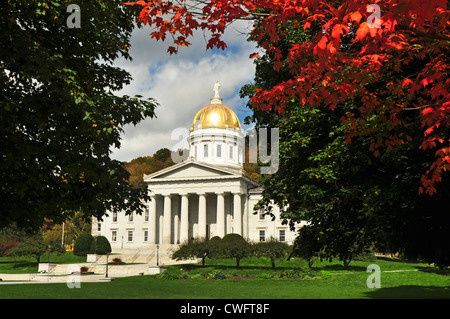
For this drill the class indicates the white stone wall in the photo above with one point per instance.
(265, 224)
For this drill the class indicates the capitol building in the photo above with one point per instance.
(204, 196)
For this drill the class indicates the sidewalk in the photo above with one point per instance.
(35, 278)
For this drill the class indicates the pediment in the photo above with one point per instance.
(188, 170)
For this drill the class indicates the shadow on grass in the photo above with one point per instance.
(437, 271)
(20, 264)
(242, 267)
(340, 267)
(284, 267)
(410, 292)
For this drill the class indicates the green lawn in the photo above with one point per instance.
(398, 280)
(25, 265)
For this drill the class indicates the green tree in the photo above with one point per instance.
(234, 246)
(272, 249)
(197, 248)
(59, 116)
(306, 245)
(31, 247)
(351, 198)
(83, 244)
(100, 245)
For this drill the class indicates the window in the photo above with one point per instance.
(261, 214)
(219, 150)
(130, 235)
(146, 215)
(262, 235)
(114, 218)
(145, 235)
(195, 152)
(230, 153)
(130, 217)
(99, 226)
(282, 235)
(114, 235)
(205, 150)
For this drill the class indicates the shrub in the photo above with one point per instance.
(234, 246)
(7, 245)
(100, 246)
(30, 247)
(83, 244)
(116, 261)
(306, 245)
(219, 275)
(272, 249)
(197, 248)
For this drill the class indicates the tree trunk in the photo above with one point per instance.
(346, 263)
(237, 262)
(273, 262)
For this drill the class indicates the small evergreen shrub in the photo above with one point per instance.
(83, 244)
(219, 275)
(100, 245)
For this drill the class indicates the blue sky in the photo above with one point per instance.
(182, 84)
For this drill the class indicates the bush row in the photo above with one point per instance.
(230, 246)
(88, 244)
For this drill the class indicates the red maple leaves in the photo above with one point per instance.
(361, 42)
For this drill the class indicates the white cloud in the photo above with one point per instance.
(181, 84)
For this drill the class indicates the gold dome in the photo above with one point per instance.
(216, 115)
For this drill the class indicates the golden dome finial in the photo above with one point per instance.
(216, 114)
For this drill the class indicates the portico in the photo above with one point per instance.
(216, 205)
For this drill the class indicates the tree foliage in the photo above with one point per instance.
(350, 198)
(234, 246)
(100, 245)
(31, 247)
(272, 249)
(197, 248)
(82, 245)
(147, 165)
(59, 115)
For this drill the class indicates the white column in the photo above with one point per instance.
(152, 221)
(220, 215)
(167, 223)
(184, 227)
(245, 218)
(237, 214)
(201, 215)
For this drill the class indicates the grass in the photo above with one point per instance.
(398, 280)
(26, 265)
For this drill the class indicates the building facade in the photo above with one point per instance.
(204, 196)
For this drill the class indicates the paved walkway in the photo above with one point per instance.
(8, 279)
(62, 273)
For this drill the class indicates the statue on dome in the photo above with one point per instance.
(216, 89)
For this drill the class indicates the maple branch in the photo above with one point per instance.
(419, 107)
(424, 34)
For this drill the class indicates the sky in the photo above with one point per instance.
(182, 84)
